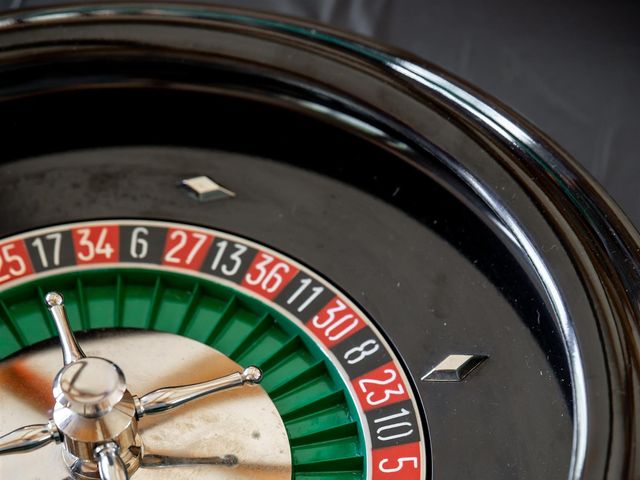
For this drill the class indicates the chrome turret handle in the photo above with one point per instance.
(71, 351)
(29, 438)
(110, 464)
(164, 399)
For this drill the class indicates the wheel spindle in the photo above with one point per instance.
(92, 391)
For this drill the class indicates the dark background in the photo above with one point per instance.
(571, 67)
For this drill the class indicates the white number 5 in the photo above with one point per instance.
(400, 462)
(20, 267)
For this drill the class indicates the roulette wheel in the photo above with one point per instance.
(270, 250)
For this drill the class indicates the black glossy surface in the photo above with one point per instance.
(338, 155)
(533, 207)
(570, 67)
(436, 279)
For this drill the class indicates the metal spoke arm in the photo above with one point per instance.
(29, 438)
(164, 399)
(110, 465)
(71, 351)
(150, 460)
